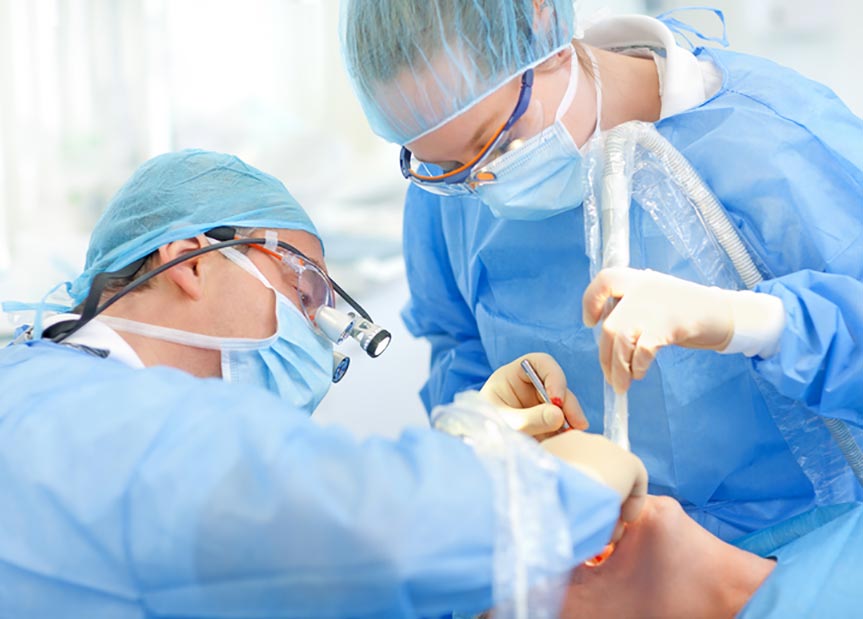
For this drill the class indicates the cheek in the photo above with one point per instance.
(261, 315)
(248, 310)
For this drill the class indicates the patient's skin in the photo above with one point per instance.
(666, 566)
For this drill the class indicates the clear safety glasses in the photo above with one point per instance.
(316, 294)
(524, 122)
(312, 285)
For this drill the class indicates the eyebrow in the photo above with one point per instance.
(477, 140)
(302, 255)
(307, 257)
(320, 265)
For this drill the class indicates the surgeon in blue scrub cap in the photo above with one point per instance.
(158, 459)
(495, 103)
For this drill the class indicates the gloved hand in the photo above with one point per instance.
(597, 457)
(655, 310)
(510, 389)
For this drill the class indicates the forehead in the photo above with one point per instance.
(452, 138)
(437, 84)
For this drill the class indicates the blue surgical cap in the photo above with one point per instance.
(416, 64)
(178, 196)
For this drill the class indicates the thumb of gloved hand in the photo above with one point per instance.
(536, 420)
(599, 458)
(652, 310)
(511, 390)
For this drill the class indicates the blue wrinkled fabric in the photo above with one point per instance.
(821, 363)
(818, 573)
(150, 493)
(178, 195)
(785, 158)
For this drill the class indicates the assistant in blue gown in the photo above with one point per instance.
(738, 441)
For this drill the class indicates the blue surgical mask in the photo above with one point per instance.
(546, 175)
(295, 363)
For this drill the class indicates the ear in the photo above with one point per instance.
(542, 16)
(186, 275)
(556, 61)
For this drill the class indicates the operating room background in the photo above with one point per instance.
(89, 89)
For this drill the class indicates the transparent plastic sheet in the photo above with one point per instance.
(651, 185)
(681, 223)
(815, 444)
(532, 547)
(664, 184)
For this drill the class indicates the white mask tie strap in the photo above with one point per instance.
(187, 338)
(571, 88)
(243, 261)
(597, 82)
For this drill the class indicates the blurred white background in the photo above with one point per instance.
(89, 89)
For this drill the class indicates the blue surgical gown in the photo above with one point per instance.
(738, 441)
(818, 566)
(129, 493)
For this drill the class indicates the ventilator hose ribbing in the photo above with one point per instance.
(685, 175)
(850, 449)
(623, 136)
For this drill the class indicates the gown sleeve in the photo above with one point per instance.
(437, 310)
(817, 574)
(820, 358)
(794, 190)
(240, 509)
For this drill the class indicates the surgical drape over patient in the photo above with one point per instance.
(415, 64)
(179, 195)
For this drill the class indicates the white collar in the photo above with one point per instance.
(684, 81)
(96, 334)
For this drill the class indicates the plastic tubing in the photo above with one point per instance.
(616, 197)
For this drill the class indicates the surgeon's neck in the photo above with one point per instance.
(630, 88)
